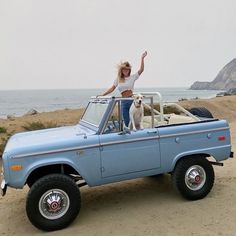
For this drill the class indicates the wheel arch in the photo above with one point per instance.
(50, 168)
(183, 156)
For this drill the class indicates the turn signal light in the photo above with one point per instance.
(221, 138)
(16, 167)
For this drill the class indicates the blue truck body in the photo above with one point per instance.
(105, 158)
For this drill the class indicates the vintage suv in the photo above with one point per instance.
(54, 163)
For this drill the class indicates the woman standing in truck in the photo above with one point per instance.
(125, 83)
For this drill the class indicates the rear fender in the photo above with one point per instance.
(218, 153)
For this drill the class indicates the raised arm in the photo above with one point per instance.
(141, 69)
(111, 89)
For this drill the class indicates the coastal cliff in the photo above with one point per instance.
(225, 80)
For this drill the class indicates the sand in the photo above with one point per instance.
(145, 206)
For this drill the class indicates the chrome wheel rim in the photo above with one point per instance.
(54, 204)
(195, 177)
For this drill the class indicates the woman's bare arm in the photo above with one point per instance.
(111, 89)
(141, 69)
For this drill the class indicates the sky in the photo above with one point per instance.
(61, 44)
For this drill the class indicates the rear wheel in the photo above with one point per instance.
(53, 202)
(201, 112)
(193, 177)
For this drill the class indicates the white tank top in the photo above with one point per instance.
(128, 84)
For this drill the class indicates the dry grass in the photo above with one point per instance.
(39, 125)
(3, 130)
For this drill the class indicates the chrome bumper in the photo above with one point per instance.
(3, 185)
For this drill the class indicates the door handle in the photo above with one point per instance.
(152, 132)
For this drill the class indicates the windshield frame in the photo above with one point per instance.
(97, 125)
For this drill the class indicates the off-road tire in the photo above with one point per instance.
(54, 182)
(181, 181)
(201, 112)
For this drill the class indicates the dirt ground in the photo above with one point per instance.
(146, 206)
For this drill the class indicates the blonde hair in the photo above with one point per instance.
(120, 76)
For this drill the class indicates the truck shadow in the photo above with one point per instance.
(128, 195)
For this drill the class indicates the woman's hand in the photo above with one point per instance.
(141, 69)
(144, 55)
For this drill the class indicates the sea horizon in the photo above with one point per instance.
(17, 102)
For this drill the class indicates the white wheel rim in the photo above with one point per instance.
(54, 204)
(195, 177)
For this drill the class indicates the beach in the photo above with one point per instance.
(145, 206)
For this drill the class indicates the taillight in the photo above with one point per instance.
(221, 138)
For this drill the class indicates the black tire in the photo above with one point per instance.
(201, 112)
(183, 177)
(60, 210)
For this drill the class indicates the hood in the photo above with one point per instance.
(48, 139)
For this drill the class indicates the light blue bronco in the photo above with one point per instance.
(56, 162)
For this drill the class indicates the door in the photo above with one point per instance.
(128, 153)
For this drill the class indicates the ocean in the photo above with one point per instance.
(19, 102)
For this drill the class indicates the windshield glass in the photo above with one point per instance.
(95, 112)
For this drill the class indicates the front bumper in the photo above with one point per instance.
(3, 185)
(3, 188)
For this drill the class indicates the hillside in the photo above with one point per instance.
(225, 80)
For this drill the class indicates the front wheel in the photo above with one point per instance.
(193, 177)
(53, 202)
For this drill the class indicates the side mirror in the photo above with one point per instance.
(125, 131)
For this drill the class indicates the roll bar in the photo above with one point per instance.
(151, 96)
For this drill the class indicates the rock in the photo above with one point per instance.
(183, 99)
(200, 85)
(221, 94)
(232, 91)
(10, 117)
(31, 112)
(225, 80)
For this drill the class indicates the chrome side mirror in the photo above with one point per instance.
(125, 131)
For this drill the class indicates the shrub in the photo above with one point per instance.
(3, 130)
(3, 143)
(38, 125)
